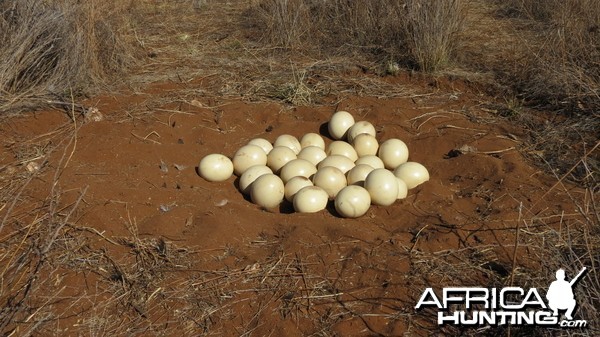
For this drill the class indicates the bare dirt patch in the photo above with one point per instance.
(107, 229)
(162, 249)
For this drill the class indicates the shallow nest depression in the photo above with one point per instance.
(84, 251)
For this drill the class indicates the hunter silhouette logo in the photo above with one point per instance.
(506, 306)
(560, 294)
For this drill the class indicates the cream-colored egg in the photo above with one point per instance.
(246, 156)
(339, 124)
(365, 145)
(279, 156)
(288, 141)
(373, 161)
(342, 163)
(250, 175)
(352, 201)
(413, 174)
(402, 189)
(358, 128)
(294, 185)
(312, 139)
(393, 152)
(341, 148)
(310, 199)
(313, 154)
(215, 167)
(358, 174)
(382, 186)
(331, 179)
(295, 168)
(263, 143)
(267, 191)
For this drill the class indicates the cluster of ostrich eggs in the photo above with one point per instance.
(354, 171)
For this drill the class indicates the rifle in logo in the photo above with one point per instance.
(560, 293)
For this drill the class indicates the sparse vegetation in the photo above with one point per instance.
(563, 66)
(431, 29)
(52, 49)
(296, 92)
(332, 26)
(305, 49)
(288, 22)
(420, 33)
(557, 53)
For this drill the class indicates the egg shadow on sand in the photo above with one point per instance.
(331, 209)
(324, 130)
(286, 207)
(236, 184)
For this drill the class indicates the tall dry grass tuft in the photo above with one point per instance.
(368, 25)
(413, 32)
(288, 22)
(431, 31)
(330, 25)
(53, 48)
(564, 67)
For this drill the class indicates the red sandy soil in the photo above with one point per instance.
(153, 249)
(337, 276)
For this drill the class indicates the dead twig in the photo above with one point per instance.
(146, 137)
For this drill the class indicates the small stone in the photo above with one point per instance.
(93, 115)
(196, 103)
(32, 167)
(163, 167)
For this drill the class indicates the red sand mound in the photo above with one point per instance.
(274, 271)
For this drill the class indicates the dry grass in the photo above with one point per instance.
(153, 286)
(30, 237)
(331, 24)
(544, 52)
(287, 21)
(355, 30)
(565, 68)
(54, 48)
(543, 243)
(432, 30)
(540, 59)
(131, 285)
(419, 33)
(553, 59)
(566, 146)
